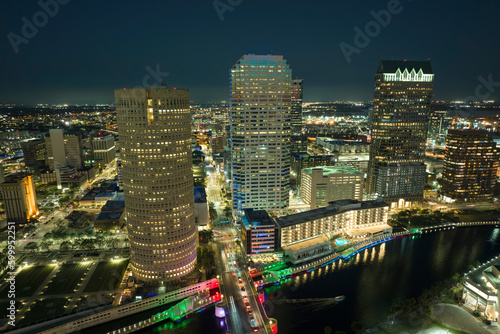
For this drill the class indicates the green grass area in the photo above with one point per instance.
(28, 281)
(107, 276)
(43, 310)
(67, 278)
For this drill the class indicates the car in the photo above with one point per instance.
(243, 289)
(255, 330)
(249, 312)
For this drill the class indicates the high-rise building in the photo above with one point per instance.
(401, 107)
(34, 152)
(103, 149)
(64, 149)
(470, 166)
(296, 106)
(302, 160)
(321, 185)
(260, 133)
(155, 152)
(19, 198)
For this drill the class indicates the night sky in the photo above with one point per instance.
(89, 48)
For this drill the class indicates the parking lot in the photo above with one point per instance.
(107, 276)
(28, 281)
(67, 278)
(44, 309)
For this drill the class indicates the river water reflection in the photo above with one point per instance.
(401, 268)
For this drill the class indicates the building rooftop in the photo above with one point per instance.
(343, 141)
(109, 215)
(257, 218)
(330, 170)
(391, 66)
(307, 243)
(106, 194)
(332, 209)
(200, 195)
(114, 205)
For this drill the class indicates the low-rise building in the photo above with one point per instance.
(259, 232)
(343, 146)
(336, 217)
(481, 290)
(201, 207)
(308, 250)
(107, 220)
(303, 160)
(321, 185)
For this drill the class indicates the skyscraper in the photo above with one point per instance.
(103, 149)
(260, 133)
(470, 166)
(64, 149)
(296, 106)
(401, 107)
(155, 142)
(34, 152)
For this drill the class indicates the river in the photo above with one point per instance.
(398, 269)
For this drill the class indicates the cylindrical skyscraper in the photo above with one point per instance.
(155, 142)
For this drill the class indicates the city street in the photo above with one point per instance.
(238, 289)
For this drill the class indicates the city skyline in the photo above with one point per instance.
(230, 166)
(80, 54)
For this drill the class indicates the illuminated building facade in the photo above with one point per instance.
(303, 160)
(260, 133)
(34, 152)
(64, 149)
(321, 185)
(337, 216)
(19, 198)
(400, 121)
(103, 150)
(470, 166)
(296, 106)
(259, 232)
(156, 165)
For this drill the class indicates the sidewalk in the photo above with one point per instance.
(457, 318)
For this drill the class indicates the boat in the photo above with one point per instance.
(339, 298)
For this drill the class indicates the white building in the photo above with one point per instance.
(155, 153)
(320, 185)
(260, 133)
(338, 216)
(103, 149)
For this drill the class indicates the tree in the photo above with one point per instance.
(228, 212)
(111, 242)
(357, 326)
(206, 235)
(88, 244)
(212, 212)
(31, 246)
(46, 245)
(65, 246)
